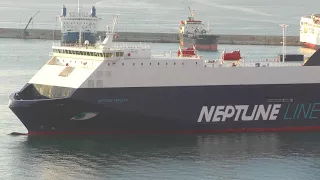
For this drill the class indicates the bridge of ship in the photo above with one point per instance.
(90, 53)
(116, 52)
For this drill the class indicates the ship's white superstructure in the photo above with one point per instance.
(310, 31)
(108, 65)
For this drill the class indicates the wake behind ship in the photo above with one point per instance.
(106, 88)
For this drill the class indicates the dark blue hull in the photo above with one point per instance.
(73, 37)
(202, 42)
(173, 109)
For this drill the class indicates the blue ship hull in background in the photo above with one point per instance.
(87, 23)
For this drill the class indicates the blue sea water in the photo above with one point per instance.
(238, 156)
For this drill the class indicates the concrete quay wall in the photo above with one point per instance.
(156, 37)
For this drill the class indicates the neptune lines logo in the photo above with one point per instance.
(238, 112)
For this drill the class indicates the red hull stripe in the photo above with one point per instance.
(284, 129)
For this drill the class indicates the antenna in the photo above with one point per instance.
(53, 32)
(191, 12)
(53, 36)
(115, 20)
(80, 37)
(284, 26)
(78, 6)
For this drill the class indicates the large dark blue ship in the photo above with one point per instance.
(79, 26)
(106, 89)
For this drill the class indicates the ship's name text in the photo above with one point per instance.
(302, 111)
(239, 112)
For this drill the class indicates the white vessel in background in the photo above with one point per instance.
(192, 32)
(310, 31)
(79, 26)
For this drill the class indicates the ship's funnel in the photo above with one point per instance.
(93, 11)
(64, 11)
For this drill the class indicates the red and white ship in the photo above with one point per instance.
(310, 31)
(193, 33)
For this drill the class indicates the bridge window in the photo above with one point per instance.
(107, 54)
(119, 54)
(85, 53)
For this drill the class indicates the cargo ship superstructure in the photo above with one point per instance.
(79, 26)
(310, 31)
(107, 88)
(192, 32)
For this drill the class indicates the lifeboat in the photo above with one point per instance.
(187, 52)
(232, 56)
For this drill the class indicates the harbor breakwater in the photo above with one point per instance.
(155, 37)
